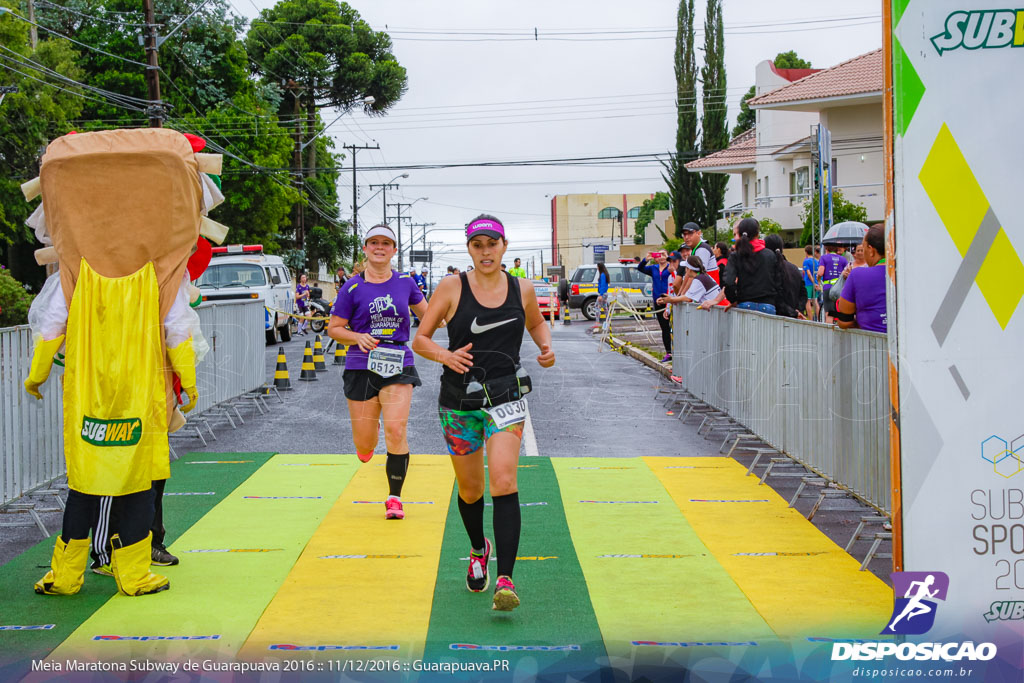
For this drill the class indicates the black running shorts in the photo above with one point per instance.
(362, 385)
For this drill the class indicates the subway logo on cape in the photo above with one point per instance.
(122, 432)
(987, 28)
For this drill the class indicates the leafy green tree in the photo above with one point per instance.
(790, 60)
(324, 55)
(715, 121)
(684, 187)
(842, 210)
(29, 119)
(257, 201)
(14, 300)
(768, 225)
(748, 117)
(660, 202)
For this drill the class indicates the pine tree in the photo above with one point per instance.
(715, 122)
(687, 199)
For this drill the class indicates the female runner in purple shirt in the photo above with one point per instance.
(371, 315)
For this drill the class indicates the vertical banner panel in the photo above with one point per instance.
(958, 237)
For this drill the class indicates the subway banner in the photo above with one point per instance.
(955, 241)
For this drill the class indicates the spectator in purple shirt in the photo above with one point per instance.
(862, 303)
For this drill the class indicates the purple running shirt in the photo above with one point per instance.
(865, 289)
(380, 308)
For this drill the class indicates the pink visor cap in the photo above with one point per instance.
(486, 227)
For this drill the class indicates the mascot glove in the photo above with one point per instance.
(42, 362)
(183, 361)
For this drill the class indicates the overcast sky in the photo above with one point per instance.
(578, 91)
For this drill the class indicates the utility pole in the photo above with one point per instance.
(155, 110)
(298, 178)
(399, 206)
(384, 193)
(33, 33)
(355, 201)
(423, 235)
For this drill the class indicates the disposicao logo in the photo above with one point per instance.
(987, 28)
(122, 432)
(914, 613)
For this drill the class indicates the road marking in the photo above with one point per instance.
(529, 438)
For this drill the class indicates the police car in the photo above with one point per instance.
(245, 272)
(623, 280)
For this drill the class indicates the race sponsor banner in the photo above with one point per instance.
(956, 244)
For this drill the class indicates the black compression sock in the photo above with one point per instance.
(473, 520)
(396, 467)
(507, 524)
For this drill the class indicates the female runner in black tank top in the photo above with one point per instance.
(487, 312)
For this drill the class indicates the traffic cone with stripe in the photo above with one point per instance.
(318, 356)
(340, 351)
(566, 314)
(281, 380)
(308, 371)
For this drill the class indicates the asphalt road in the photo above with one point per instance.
(593, 402)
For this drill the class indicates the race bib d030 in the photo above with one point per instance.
(508, 414)
(386, 362)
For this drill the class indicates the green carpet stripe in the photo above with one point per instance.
(266, 522)
(555, 609)
(22, 607)
(633, 541)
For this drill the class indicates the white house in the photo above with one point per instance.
(772, 162)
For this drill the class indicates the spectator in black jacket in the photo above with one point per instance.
(792, 294)
(751, 279)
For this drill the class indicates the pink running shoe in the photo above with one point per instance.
(393, 508)
(364, 457)
(477, 578)
(505, 598)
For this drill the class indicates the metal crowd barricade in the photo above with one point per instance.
(31, 431)
(813, 391)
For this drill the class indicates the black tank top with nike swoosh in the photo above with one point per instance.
(496, 335)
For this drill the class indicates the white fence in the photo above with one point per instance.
(813, 391)
(31, 431)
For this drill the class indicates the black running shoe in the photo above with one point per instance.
(477, 578)
(161, 557)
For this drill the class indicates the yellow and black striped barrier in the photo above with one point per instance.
(340, 351)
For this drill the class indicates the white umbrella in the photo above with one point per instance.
(847, 233)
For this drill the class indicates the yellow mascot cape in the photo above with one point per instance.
(123, 209)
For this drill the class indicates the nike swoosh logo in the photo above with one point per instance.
(479, 329)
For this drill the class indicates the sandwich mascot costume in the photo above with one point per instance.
(121, 216)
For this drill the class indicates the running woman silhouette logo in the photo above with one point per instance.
(914, 613)
(383, 303)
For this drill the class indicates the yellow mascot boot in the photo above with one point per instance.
(67, 568)
(131, 567)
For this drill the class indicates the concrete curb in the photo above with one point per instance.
(642, 356)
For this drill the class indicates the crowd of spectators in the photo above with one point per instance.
(754, 274)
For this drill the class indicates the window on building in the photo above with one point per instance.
(609, 212)
(799, 182)
(634, 212)
(835, 173)
(758, 188)
(767, 193)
